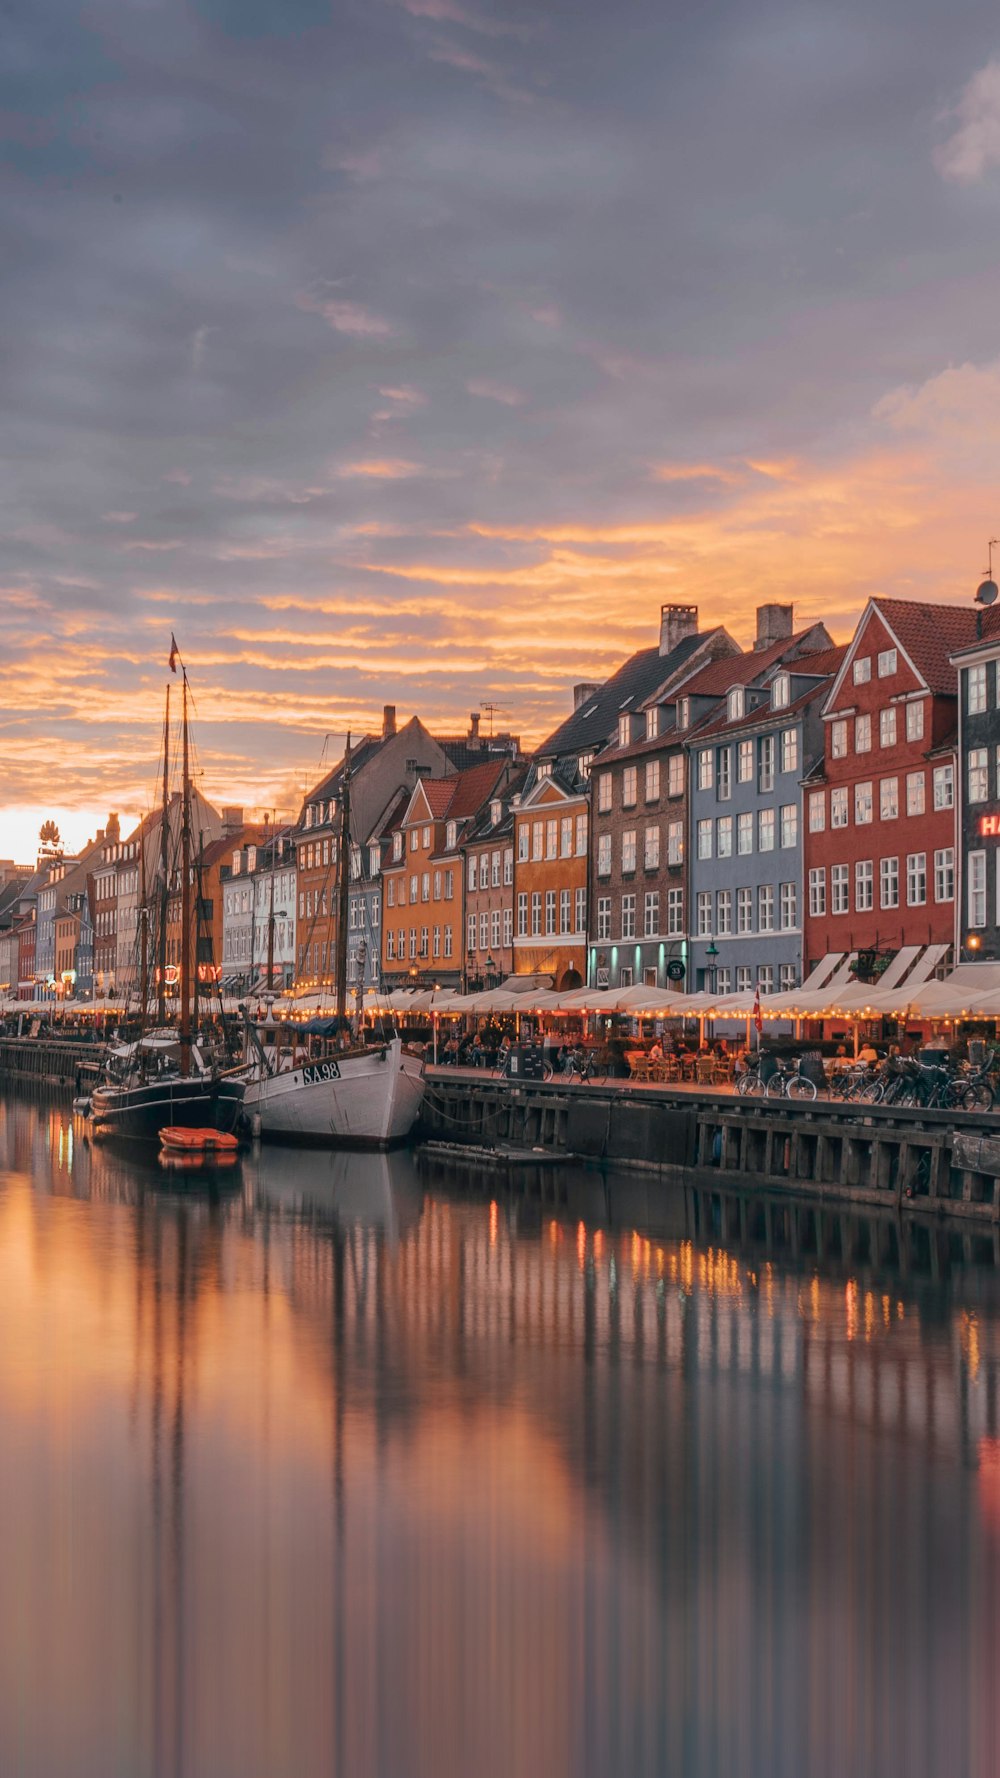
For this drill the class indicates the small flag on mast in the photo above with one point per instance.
(174, 652)
(758, 1021)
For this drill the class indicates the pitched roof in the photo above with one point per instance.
(598, 715)
(929, 634)
(469, 790)
(716, 677)
(437, 794)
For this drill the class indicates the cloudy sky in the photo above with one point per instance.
(415, 351)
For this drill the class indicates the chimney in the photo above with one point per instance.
(677, 622)
(99, 841)
(582, 692)
(774, 624)
(232, 821)
(474, 727)
(388, 721)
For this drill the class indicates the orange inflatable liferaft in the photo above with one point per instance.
(180, 1141)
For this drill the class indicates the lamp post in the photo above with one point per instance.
(490, 972)
(712, 951)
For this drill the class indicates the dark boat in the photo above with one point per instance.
(164, 1079)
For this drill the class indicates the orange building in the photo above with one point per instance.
(551, 825)
(423, 905)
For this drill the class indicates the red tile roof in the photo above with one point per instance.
(438, 792)
(470, 789)
(929, 634)
(715, 679)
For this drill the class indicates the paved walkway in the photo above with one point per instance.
(447, 1071)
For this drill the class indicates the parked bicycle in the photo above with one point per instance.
(788, 1082)
(581, 1065)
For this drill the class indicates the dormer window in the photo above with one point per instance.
(373, 861)
(684, 713)
(545, 769)
(624, 731)
(397, 847)
(451, 835)
(309, 816)
(496, 810)
(584, 764)
(237, 862)
(736, 703)
(251, 858)
(652, 723)
(780, 692)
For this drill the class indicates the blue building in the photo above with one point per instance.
(747, 758)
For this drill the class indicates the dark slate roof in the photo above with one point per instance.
(485, 828)
(464, 753)
(597, 718)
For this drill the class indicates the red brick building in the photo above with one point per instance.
(880, 852)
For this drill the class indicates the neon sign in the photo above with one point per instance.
(989, 827)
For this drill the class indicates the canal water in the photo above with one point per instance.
(349, 1467)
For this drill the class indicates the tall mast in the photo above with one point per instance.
(185, 888)
(270, 918)
(161, 937)
(343, 886)
(143, 931)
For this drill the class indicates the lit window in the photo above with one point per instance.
(862, 804)
(780, 692)
(736, 703)
(838, 739)
(915, 721)
(978, 776)
(887, 663)
(863, 733)
(888, 799)
(862, 669)
(705, 765)
(817, 811)
(744, 763)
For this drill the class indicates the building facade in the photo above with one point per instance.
(551, 873)
(977, 794)
(488, 864)
(880, 807)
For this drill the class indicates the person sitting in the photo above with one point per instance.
(868, 1054)
(656, 1053)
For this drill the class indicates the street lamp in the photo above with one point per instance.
(712, 951)
(491, 970)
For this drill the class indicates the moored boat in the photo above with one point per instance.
(315, 1092)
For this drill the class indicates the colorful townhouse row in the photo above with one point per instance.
(710, 817)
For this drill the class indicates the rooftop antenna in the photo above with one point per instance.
(986, 592)
(494, 710)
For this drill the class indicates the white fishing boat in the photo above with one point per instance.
(319, 1082)
(314, 1091)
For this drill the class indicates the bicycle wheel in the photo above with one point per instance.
(775, 1088)
(873, 1093)
(978, 1098)
(547, 1071)
(746, 1084)
(801, 1088)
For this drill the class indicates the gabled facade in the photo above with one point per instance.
(488, 863)
(977, 793)
(880, 806)
(551, 840)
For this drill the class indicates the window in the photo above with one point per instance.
(683, 712)
(652, 722)
(565, 908)
(425, 886)
(817, 811)
(628, 849)
(839, 890)
(735, 704)
(864, 886)
(944, 787)
(765, 978)
(397, 846)
(581, 835)
(978, 775)
(426, 839)
(976, 862)
(704, 906)
(522, 844)
(675, 775)
(724, 912)
(651, 914)
(472, 873)
(652, 780)
(537, 839)
(780, 691)
(651, 849)
(744, 762)
(630, 779)
(944, 874)
(550, 912)
(413, 943)
(536, 913)
(625, 976)
(724, 837)
(580, 904)
(624, 731)
(552, 838)
(789, 825)
(863, 733)
(976, 703)
(887, 728)
(915, 721)
(584, 764)
(447, 941)
(889, 882)
(817, 893)
(838, 740)
(628, 916)
(789, 749)
(744, 910)
(765, 908)
(916, 879)
(390, 947)
(449, 885)
(565, 837)
(744, 834)
(451, 836)
(743, 978)
(725, 768)
(887, 663)
(705, 767)
(522, 915)
(789, 907)
(888, 799)
(765, 763)
(862, 804)
(508, 866)
(675, 842)
(414, 890)
(390, 892)
(863, 669)
(603, 793)
(765, 830)
(436, 942)
(604, 916)
(604, 855)
(508, 927)
(788, 977)
(723, 981)
(675, 912)
(704, 836)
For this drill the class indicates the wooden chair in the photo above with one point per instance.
(639, 1065)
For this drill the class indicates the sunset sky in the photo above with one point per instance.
(413, 351)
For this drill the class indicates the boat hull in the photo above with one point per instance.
(364, 1101)
(143, 1111)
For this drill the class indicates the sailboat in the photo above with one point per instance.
(164, 1079)
(305, 1084)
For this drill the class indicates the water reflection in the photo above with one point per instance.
(327, 1468)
